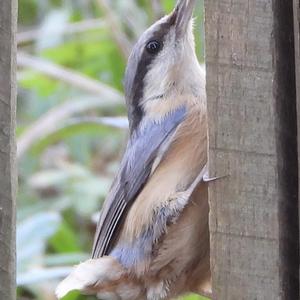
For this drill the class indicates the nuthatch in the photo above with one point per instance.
(152, 238)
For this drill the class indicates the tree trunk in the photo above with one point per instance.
(253, 138)
(8, 178)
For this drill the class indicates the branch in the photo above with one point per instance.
(157, 9)
(71, 77)
(116, 122)
(53, 120)
(31, 35)
(120, 38)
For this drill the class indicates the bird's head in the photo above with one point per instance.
(163, 63)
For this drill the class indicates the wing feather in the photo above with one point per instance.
(142, 149)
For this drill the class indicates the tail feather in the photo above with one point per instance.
(90, 275)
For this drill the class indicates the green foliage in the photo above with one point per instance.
(68, 164)
(96, 57)
(28, 11)
(40, 84)
(193, 297)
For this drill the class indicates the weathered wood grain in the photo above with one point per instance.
(297, 64)
(8, 17)
(253, 138)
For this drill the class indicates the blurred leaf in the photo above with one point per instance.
(32, 236)
(80, 137)
(193, 297)
(54, 120)
(98, 59)
(65, 240)
(74, 78)
(27, 12)
(84, 188)
(48, 178)
(42, 85)
(57, 18)
(72, 296)
(117, 122)
(65, 259)
(168, 5)
(57, 205)
(43, 275)
(93, 190)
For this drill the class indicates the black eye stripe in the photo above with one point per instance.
(137, 68)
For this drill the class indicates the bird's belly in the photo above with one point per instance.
(181, 258)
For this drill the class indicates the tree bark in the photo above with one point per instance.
(8, 178)
(253, 138)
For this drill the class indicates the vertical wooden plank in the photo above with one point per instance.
(252, 134)
(8, 19)
(284, 92)
(297, 64)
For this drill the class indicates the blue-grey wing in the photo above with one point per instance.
(142, 149)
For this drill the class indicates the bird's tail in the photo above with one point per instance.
(91, 276)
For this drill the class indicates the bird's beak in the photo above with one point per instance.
(183, 14)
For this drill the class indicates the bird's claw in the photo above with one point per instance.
(207, 179)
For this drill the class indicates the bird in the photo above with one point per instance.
(152, 237)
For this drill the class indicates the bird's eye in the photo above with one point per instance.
(153, 47)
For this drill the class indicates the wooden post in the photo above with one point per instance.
(253, 138)
(297, 64)
(8, 178)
